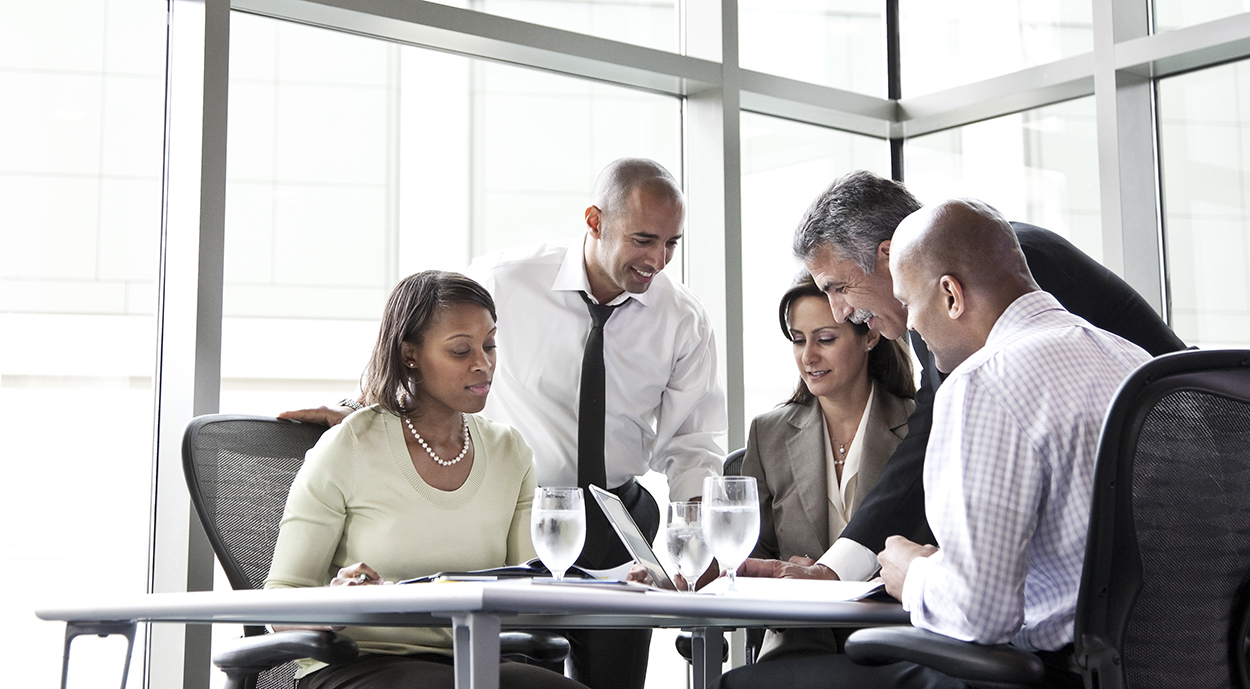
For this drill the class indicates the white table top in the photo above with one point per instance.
(517, 603)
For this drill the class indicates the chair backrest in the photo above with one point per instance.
(733, 462)
(1166, 586)
(239, 470)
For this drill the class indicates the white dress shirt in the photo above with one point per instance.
(664, 403)
(1008, 477)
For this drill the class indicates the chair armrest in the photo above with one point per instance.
(1000, 665)
(257, 653)
(685, 647)
(544, 647)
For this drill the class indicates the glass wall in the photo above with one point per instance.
(947, 43)
(1176, 14)
(80, 216)
(354, 162)
(1204, 141)
(785, 166)
(1039, 166)
(838, 43)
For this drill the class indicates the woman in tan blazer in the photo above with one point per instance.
(818, 454)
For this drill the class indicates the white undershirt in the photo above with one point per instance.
(839, 494)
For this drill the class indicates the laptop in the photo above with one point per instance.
(632, 537)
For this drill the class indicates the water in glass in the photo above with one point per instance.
(731, 519)
(558, 527)
(687, 547)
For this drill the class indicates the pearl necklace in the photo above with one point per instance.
(436, 458)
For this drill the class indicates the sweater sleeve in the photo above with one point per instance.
(312, 523)
(520, 547)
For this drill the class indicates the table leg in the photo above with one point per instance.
(706, 655)
(102, 629)
(476, 638)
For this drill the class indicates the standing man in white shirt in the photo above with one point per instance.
(663, 405)
(1008, 473)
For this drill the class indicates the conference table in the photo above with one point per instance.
(478, 610)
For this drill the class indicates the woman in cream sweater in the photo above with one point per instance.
(413, 484)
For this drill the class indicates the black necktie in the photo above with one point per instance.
(590, 437)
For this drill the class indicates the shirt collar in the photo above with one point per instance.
(572, 277)
(1021, 310)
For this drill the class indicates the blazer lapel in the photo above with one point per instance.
(807, 447)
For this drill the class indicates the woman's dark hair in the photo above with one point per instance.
(409, 311)
(889, 364)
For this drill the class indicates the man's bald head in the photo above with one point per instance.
(617, 182)
(957, 266)
(967, 239)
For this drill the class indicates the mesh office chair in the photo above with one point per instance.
(239, 470)
(1165, 590)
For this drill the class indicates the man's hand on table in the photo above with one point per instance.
(798, 567)
(328, 416)
(896, 558)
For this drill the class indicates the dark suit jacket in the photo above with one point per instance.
(1084, 287)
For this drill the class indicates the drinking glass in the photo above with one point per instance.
(686, 545)
(558, 527)
(731, 519)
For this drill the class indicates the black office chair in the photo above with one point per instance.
(239, 470)
(1165, 591)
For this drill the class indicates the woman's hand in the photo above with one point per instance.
(358, 574)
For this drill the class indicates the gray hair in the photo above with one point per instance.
(619, 179)
(854, 215)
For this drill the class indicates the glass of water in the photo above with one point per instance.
(731, 519)
(684, 536)
(558, 527)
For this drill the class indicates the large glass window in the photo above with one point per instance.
(785, 166)
(1038, 166)
(1205, 151)
(80, 215)
(838, 43)
(355, 162)
(1176, 14)
(946, 43)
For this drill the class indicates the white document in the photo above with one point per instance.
(794, 589)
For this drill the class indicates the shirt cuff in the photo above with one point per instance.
(913, 583)
(850, 560)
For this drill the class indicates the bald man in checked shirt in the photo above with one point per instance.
(1008, 472)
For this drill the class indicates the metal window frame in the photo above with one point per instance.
(1120, 73)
